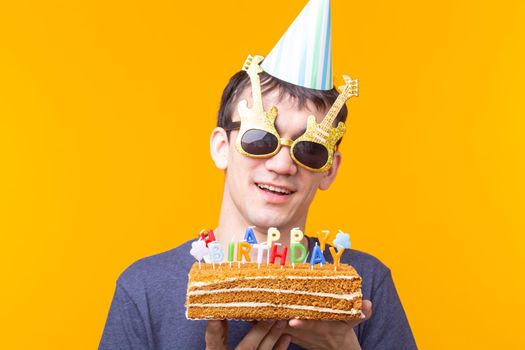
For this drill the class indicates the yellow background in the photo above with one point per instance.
(105, 113)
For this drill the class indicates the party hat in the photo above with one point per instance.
(303, 56)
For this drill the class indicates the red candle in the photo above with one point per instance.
(282, 255)
(209, 238)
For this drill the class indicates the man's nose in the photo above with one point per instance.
(282, 163)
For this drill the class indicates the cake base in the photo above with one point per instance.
(252, 292)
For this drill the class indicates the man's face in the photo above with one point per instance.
(275, 192)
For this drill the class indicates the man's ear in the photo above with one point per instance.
(219, 148)
(329, 176)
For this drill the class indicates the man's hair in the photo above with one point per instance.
(321, 99)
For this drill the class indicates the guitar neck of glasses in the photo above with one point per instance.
(256, 92)
(350, 89)
(328, 120)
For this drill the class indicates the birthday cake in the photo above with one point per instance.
(252, 292)
(263, 290)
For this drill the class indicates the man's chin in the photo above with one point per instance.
(267, 219)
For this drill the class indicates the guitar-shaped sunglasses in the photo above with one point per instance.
(258, 137)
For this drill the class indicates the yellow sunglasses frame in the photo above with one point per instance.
(321, 133)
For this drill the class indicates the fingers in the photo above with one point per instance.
(283, 343)
(366, 308)
(254, 337)
(307, 325)
(264, 336)
(269, 334)
(273, 335)
(216, 335)
(366, 313)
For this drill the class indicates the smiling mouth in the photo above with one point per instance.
(274, 189)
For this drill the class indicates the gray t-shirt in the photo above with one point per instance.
(148, 312)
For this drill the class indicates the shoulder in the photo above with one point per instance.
(364, 263)
(158, 270)
(149, 298)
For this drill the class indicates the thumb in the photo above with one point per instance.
(216, 337)
(367, 309)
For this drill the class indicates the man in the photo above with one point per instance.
(271, 179)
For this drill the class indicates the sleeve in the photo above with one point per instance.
(125, 328)
(388, 327)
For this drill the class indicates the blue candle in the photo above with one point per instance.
(317, 256)
(216, 253)
(249, 236)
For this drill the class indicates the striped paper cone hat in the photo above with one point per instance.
(303, 56)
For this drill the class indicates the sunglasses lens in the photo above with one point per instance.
(311, 154)
(258, 142)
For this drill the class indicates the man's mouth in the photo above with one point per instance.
(274, 189)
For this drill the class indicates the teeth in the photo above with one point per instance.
(274, 189)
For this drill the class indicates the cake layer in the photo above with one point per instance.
(277, 297)
(328, 284)
(250, 291)
(268, 311)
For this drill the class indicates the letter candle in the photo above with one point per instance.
(297, 259)
(231, 252)
(216, 253)
(209, 238)
(282, 255)
(261, 247)
(249, 236)
(317, 257)
(336, 256)
(323, 237)
(296, 235)
(211, 250)
(273, 235)
(243, 250)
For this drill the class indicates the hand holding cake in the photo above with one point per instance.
(278, 335)
(311, 334)
(263, 335)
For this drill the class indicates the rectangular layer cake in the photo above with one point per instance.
(250, 292)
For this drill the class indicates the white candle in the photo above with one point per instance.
(261, 247)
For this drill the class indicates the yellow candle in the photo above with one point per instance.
(323, 237)
(243, 250)
(336, 256)
(273, 235)
(296, 235)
